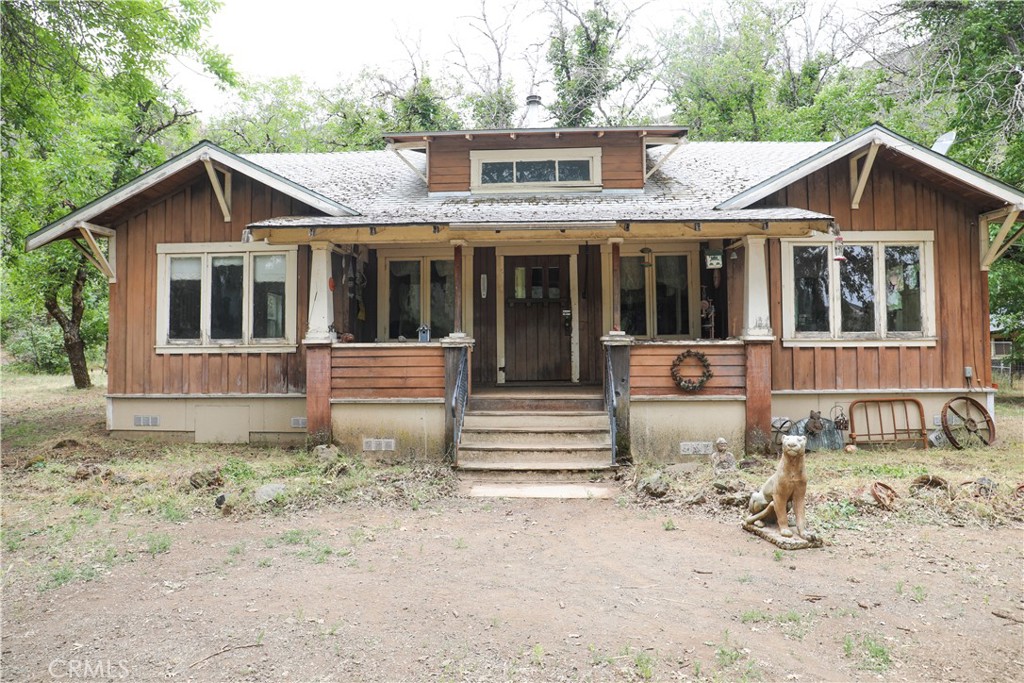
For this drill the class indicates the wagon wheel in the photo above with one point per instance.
(965, 422)
(780, 428)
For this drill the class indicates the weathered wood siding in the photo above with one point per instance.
(191, 214)
(591, 351)
(622, 157)
(393, 371)
(485, 326)
(893, 200)
(650, 369)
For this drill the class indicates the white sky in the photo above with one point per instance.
(327, 42)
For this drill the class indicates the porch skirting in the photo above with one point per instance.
(393, 428)
(657, 427)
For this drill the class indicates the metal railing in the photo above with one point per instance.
(611, 401)
(459, 398)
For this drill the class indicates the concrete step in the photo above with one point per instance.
(536, 436)
(539, 490)
(536, 403)
(518, 420)
(471, 464)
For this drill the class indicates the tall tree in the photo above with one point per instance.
(85, 108)
(593, 81)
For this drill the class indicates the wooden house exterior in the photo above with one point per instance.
(365, 297)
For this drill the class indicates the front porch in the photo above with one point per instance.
(407, 339)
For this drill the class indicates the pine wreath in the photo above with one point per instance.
(689, 384)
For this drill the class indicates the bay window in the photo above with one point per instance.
(225, 295)
(881, 289)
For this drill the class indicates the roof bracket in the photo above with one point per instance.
(859, 176)
(677, 145)
(395, 147)
(223, 193)
(998, 246)
(92, 250)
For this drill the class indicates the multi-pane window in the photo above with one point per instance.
(656, 295)
(494, 170)
(408, 308)
(225, 295)
(877, 290)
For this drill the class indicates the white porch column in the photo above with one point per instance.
(321, 298)
(756, 312)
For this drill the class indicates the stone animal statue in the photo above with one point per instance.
(814, 424)
(786, 488)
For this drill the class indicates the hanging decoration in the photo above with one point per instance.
(685, 383)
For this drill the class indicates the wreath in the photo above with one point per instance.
(689, 384)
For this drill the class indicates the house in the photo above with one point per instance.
(658, 292)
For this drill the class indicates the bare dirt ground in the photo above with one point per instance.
(158, 585)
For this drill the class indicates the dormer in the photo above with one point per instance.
(536, 160)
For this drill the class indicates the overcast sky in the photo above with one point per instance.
(327, 42)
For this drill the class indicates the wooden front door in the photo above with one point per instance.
(538, 319)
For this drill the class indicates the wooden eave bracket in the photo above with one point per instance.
(1003, 239)
(92, 250)
(223, 192)
(396, 148)
(859, 176)
(649, 141)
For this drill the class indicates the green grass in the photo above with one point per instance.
(157, 543)
(871, 654)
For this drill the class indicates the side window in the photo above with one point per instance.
(655, 295)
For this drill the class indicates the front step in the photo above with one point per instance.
(512, 484)
(534, 440)
(550, 403)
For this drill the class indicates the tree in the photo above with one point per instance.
(592, 81)
(85, 108)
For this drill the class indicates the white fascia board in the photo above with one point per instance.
(883, 136)
(57, 229)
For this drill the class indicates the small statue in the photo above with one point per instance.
(785, 489)
(814, 424)
(722, 460)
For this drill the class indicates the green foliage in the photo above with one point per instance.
(84, 111)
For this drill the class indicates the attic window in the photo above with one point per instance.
(536, 169)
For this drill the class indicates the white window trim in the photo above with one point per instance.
(208, 250)
(924, 239)
(692, 285)
(384, 259)
(592, 154)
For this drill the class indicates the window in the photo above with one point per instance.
(536, 169)
(880, 291)
(657, 295)
(225, 295)
(407, 308)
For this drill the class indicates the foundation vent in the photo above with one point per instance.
(298, 423)
(146, 420)
(378, 444)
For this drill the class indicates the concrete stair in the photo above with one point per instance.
(547, 446)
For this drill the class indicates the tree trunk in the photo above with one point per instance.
(72, 326)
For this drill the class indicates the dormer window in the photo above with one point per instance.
(565, 170)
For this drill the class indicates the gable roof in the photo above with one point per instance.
(196, 154)
(877, 133)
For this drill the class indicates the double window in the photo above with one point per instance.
(217, 295)
(881, 289)
(419, 291)
(657, 293)
(536, 169)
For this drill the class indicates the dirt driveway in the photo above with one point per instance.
(495, 590)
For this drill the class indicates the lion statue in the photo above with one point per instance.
(785, 489)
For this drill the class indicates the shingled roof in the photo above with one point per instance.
(688, 186)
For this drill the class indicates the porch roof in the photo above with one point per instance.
(687, 187)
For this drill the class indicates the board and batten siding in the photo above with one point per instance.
(191, 214)
(650, 369)
(893, 200)
(387, 371)
(622, 157)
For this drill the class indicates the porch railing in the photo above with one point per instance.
(460, 396)
(611, 401)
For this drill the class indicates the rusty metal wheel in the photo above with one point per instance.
(966, 423)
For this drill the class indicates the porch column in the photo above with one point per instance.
(756, 313)
(321, 299)
(616, 243)
(457, 382)
(458, 287)
(319, 337)
(617, 348)
(758, 336)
